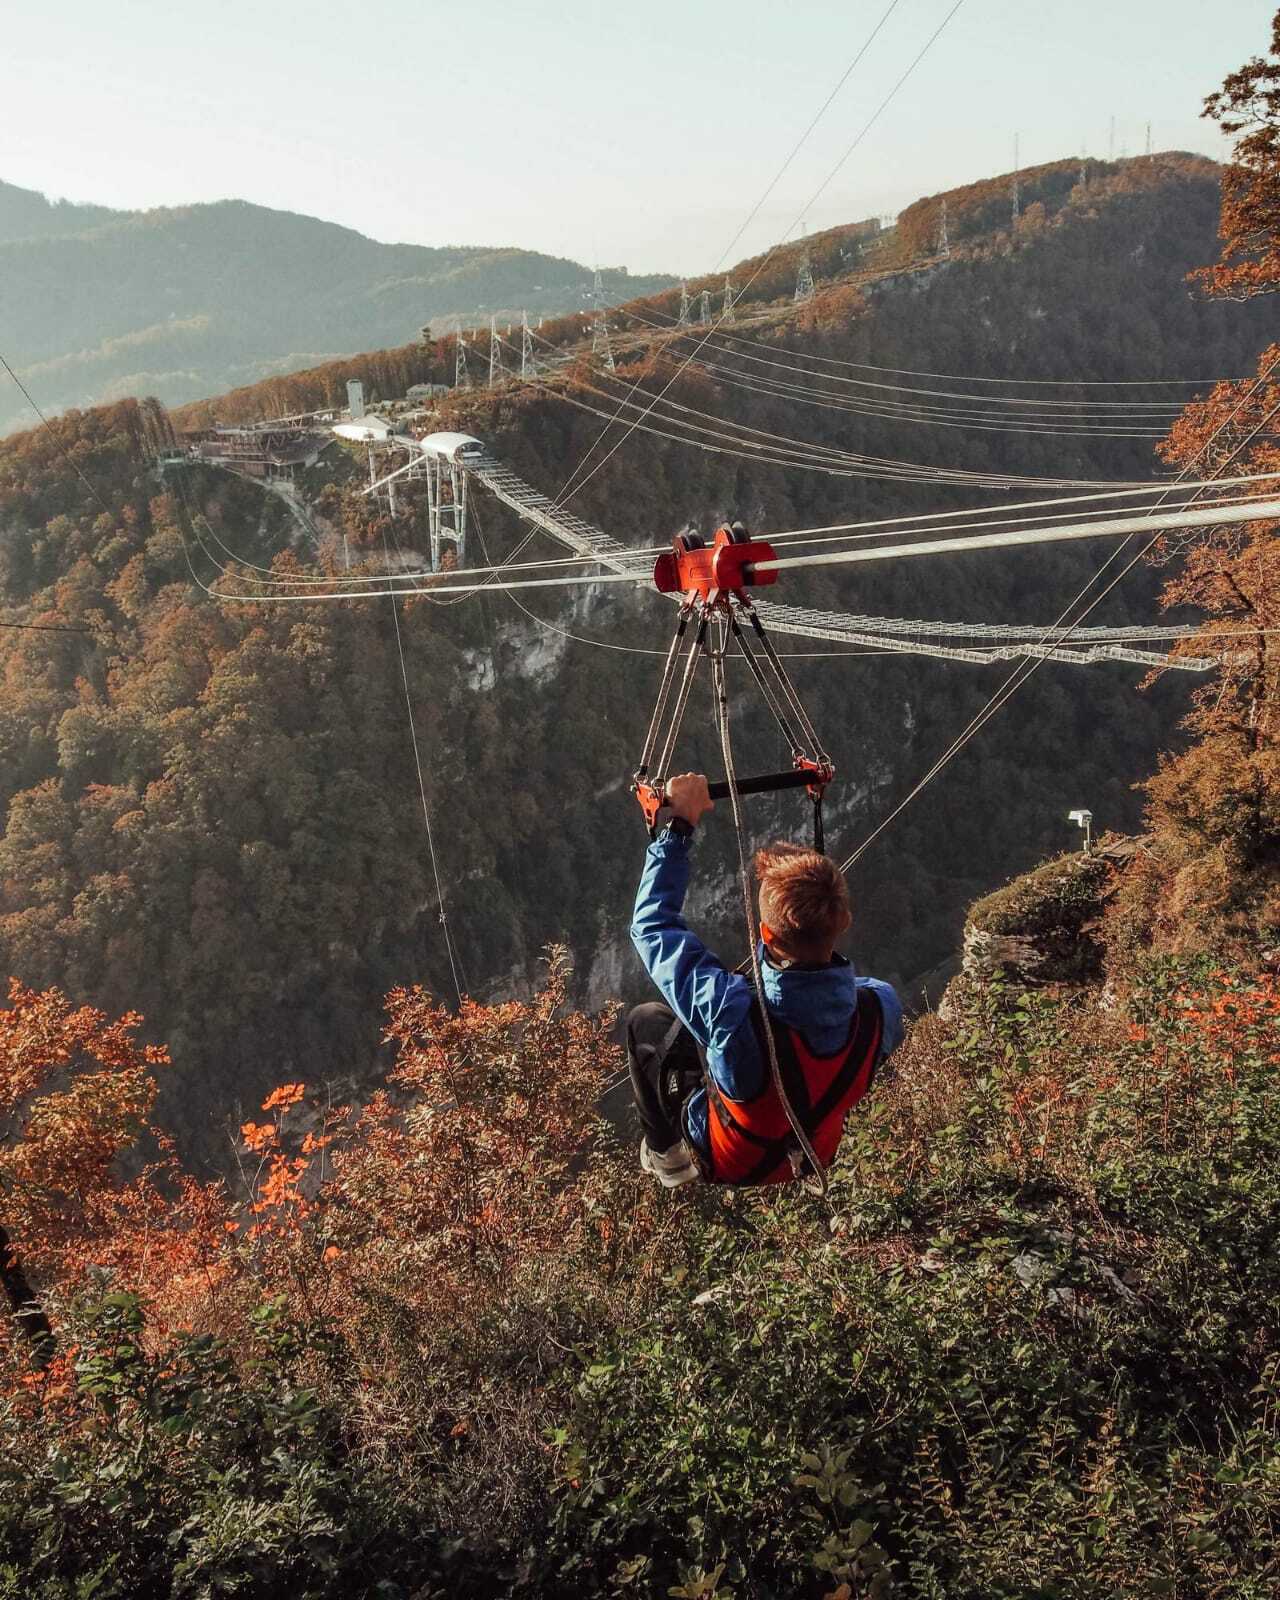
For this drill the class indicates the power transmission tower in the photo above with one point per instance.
(528, 366)
(727, 315)
(682, 321)
(944, 239)
(495, 353)
(599, 327)
(461, 378)
(1111, 141)
(804, 278)
(706, 305)
(1148, 138)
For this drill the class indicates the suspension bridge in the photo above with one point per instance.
(449, 463)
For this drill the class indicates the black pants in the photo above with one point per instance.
(663, 1074)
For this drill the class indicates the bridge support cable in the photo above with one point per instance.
(884, 634)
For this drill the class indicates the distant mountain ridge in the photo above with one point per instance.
(25, 214)
(189, 301)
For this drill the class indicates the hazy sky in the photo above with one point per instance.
(637, 134)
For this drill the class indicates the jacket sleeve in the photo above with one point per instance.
(891, 1008)
(711, 1001)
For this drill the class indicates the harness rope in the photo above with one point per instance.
(720, 702)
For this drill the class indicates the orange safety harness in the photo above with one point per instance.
(752, 1140)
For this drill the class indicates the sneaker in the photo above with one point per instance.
(670, 1167)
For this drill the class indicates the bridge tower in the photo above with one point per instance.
(446, 508)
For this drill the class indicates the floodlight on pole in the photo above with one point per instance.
(1084, 821)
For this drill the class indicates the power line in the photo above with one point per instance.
(969, 377)
(751, 216)
(1042, 401)
(980, 411)
(935, 417)
(866, 128)
(47, 627)
(53, 433)
(849, 465)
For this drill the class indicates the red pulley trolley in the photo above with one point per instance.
(712, 578)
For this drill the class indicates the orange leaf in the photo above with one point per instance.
(288, 1094)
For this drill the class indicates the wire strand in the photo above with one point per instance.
(567, 491)
(422, 790)
(1027, 669)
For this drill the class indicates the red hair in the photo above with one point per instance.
(803, 899)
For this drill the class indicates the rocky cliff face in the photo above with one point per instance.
(1046, 926)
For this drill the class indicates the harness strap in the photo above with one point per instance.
(777, 1149)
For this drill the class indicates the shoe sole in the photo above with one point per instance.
(669, 1179)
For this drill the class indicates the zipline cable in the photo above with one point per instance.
(567, 491)
(1226, 513)
(1222, 515)
(1027, 668)
(1163, 489)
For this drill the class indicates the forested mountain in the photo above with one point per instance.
(24, 214)
(211, 812)
(187, 301)
(398, 1313)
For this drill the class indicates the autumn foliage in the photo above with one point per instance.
(1247, 107)
(1215, 808)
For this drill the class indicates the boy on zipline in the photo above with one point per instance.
(700, 1064)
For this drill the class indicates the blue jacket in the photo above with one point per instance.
(715, 1004)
